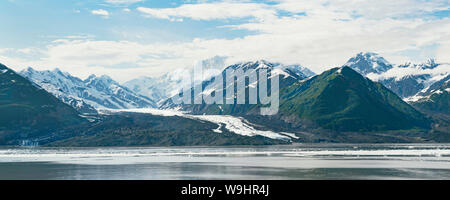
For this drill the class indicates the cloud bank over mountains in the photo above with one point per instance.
(318, 34)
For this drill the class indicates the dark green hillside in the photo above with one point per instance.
(343, 100)
(27, 111)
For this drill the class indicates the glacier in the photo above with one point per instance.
(233, 124)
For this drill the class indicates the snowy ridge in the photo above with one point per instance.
(439, 87)
(413, 76)
(288, 74)
(275, 68)
(88, 95)
(409, 81)
(163, 87)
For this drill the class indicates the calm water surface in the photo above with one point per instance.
(300, 161)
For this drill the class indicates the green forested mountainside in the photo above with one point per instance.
(341, 99)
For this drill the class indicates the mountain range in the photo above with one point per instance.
(338, 99)
(342, 99)
(31, 115)
(288, 74)
(89, 95)
(409, 81)
(424, 85)
(348, 98)
(367, 99)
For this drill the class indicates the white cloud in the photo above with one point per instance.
(325, 36)
(26, 50)
(322, 33)
(212, 11)
(338, 9)
(2, 50)
(443, 51)
(123, 1)
(365, 8)
(84, 36)
(101, 12)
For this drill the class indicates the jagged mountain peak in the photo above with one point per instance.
(257, 64)
(29, 69)
(368, 62)
(103, 79)
(429, 64)
(90, 77)
(299, 69)
(285, 70)
(57, 70)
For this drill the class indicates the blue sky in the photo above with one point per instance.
(130, 38)
(36, 22)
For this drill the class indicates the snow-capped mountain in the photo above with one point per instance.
(436, 88)
(288, 74)
(62, 85)
(366, 63)
(406, 80)
(297, 72)
(87, 95)
(156, 88)
(409, 80)
(28, 111)
(168, 84)
(435, 100)
(298, 69)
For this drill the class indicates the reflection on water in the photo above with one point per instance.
(301, 161)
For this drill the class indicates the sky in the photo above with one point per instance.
(126, 39)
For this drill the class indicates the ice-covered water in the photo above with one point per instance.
(299, 161)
